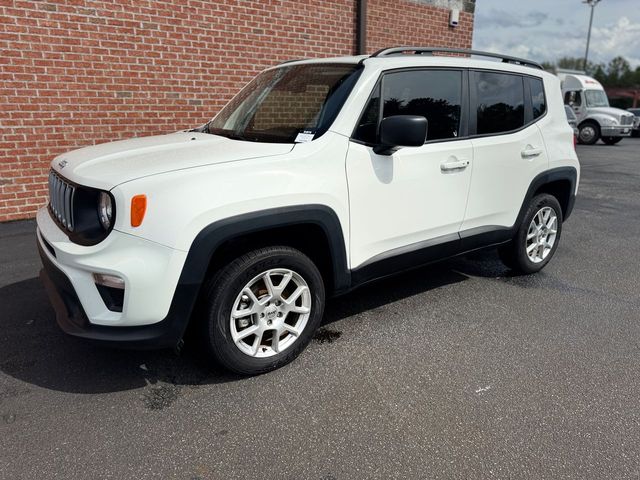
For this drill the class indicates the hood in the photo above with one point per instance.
(109, 164)
(611, 111)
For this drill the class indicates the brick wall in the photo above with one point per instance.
(78, 72)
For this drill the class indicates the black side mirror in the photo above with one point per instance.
(401, 131)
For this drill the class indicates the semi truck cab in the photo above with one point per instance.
(596, 119)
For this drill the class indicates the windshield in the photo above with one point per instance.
(290, 104)
(596, 98)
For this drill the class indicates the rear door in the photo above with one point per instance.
(508, 149)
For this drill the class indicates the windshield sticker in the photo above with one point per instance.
(305, 136)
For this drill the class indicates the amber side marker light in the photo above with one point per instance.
(138, 209)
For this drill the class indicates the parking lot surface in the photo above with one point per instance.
(458, 370)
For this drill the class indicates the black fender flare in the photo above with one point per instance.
(569, 174)
(213, 236)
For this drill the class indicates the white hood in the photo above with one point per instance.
(109, 164)
(616, 113)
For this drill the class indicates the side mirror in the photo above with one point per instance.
(401, 131)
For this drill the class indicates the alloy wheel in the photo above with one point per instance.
(270, 313)
(541, 235)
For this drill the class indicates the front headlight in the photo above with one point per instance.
(105, 210)
(609, 122)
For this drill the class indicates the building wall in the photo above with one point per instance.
(79, 72)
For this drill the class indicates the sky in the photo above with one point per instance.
(545, 30)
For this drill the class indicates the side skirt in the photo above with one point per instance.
(424, 253)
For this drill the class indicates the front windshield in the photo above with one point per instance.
(596, 98)
(288, 104)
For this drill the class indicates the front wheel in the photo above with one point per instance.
(611, 140)
(261, 310)
(588, 133)
(537, 237)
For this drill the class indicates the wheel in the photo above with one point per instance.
(588, 133)
(261, 310)
(611, 140)
(537, 237)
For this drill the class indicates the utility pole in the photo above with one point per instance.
(592, 4)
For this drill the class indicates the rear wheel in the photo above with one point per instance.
(611, 140)
(537, 237)
(261, 310)
(588, 133)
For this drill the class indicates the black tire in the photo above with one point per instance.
(585, 128)
(222, 290)
(611, 140)
(514, 254)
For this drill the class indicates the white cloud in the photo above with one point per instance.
(558, 29)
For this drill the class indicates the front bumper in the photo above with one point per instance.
(156, 307)
(616, 131)
(73, 320)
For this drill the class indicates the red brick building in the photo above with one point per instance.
(78, 72)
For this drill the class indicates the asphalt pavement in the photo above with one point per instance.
(454, 371)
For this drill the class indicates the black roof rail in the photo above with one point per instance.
(292, 60)
(385, 52)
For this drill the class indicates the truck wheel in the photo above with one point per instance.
(588, 133)
(611, 140)
(261, 310)
(537, 237)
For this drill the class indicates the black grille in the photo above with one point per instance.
(627, 120)
(61, 197)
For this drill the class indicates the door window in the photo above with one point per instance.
(573, 98)
(433, 94)
(500, 102)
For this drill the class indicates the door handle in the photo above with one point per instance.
(455, 164)
(530, 152)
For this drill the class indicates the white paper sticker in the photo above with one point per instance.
(304, 137)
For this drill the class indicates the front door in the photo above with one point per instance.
(416, 197)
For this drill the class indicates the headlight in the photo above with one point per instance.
(105, 210)
(609, 121)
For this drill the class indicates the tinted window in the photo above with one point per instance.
(537, 97)
(367, 129)
(433, 94)
(500, 100)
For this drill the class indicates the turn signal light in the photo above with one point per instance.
(138, 209)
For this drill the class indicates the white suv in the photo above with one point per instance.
(319, 176)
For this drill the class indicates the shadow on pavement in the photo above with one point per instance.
(34, 350)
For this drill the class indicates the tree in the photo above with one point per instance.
(617, 73)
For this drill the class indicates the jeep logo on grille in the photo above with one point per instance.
(62, 164)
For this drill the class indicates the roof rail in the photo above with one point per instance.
(292, 60)
(385, 52)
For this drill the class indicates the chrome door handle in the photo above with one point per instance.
(530, 152)
(454, 165)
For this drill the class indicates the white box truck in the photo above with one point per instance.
(596, 119)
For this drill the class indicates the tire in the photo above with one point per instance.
(588, 133)
(268, 310)
(514, 254)
(611, 140)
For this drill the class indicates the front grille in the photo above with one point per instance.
(627, 120)
(61, 196)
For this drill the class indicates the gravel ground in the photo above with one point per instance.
(458, 370)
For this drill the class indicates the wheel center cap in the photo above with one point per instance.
(270, 312)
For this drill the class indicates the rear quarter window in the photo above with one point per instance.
(538, 100)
